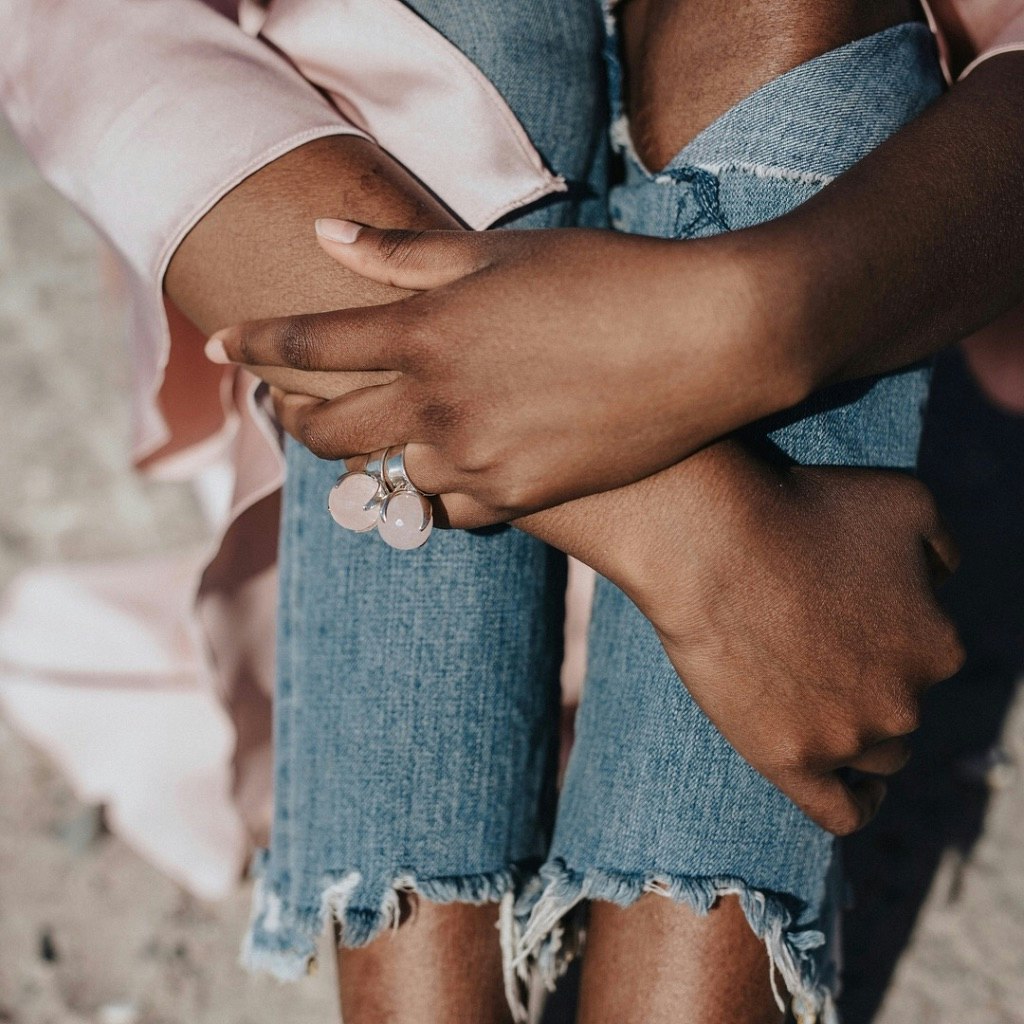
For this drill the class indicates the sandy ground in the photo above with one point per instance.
(90, 933)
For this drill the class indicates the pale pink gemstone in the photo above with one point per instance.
(354, 502)
(405, 520)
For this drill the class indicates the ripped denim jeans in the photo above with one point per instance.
(417, 703)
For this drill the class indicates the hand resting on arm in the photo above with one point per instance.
(520, 343)
(721, 539)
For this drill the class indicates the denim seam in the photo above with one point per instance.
(622, 140)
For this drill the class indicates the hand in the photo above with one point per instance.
(533, 367)
(801, 616)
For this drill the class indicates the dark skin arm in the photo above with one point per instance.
(251, 252)
(909, 251)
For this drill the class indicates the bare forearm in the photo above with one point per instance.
(253, 255)
(914, 248)
(621, 533)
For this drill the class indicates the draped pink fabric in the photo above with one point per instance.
(144, 113)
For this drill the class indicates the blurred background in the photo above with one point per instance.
(91, 931)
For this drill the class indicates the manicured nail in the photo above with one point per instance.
(215, 351)
(345, 231)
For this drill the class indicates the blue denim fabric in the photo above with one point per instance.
(654, 797)
(416, 707)
(417, 695)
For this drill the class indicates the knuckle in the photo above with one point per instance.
(793, 752)
(318, 438)
(475, 453)
(396, 247)
(298, 344)
(957, 656)
(903, 717)
(954, 653)
(844, 819)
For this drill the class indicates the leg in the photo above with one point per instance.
(415, 761)
(656, 806)
(660, 963)
(416, 709)
(443, 966)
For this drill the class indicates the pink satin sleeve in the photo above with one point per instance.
(976, 30)
(144, 115)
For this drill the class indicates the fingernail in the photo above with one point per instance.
(215, 351)
(345, 231)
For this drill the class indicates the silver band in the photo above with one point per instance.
(396, 476)
(375, 465)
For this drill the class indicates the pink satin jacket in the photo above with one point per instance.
(145, 113)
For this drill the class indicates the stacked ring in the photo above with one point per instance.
(381, 495)
(356, 499)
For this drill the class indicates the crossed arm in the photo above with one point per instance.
(252, 256)
(914, 248)
(924, 262)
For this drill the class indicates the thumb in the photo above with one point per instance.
(404, 259)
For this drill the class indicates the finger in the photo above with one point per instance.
(886, 758)
(321, 383)
(458, 511)
(289, 409)
(363, 421)
(428, 471)
(945, 653)
(407, 259)
(941, 551)
(363, 338)
(837, 806)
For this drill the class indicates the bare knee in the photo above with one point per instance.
(441, 965)
(658, 962)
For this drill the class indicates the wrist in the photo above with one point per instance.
(780, 311)
(752, 354)
(700, 519)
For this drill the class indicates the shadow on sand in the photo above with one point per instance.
(973, 459)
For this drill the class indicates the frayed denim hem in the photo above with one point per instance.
(550, 929)
(282, 940)
(540, 922)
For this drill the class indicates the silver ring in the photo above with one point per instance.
(375, 465)
(396, 476)
(381, 495)
(355, 501)
(406, 519)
